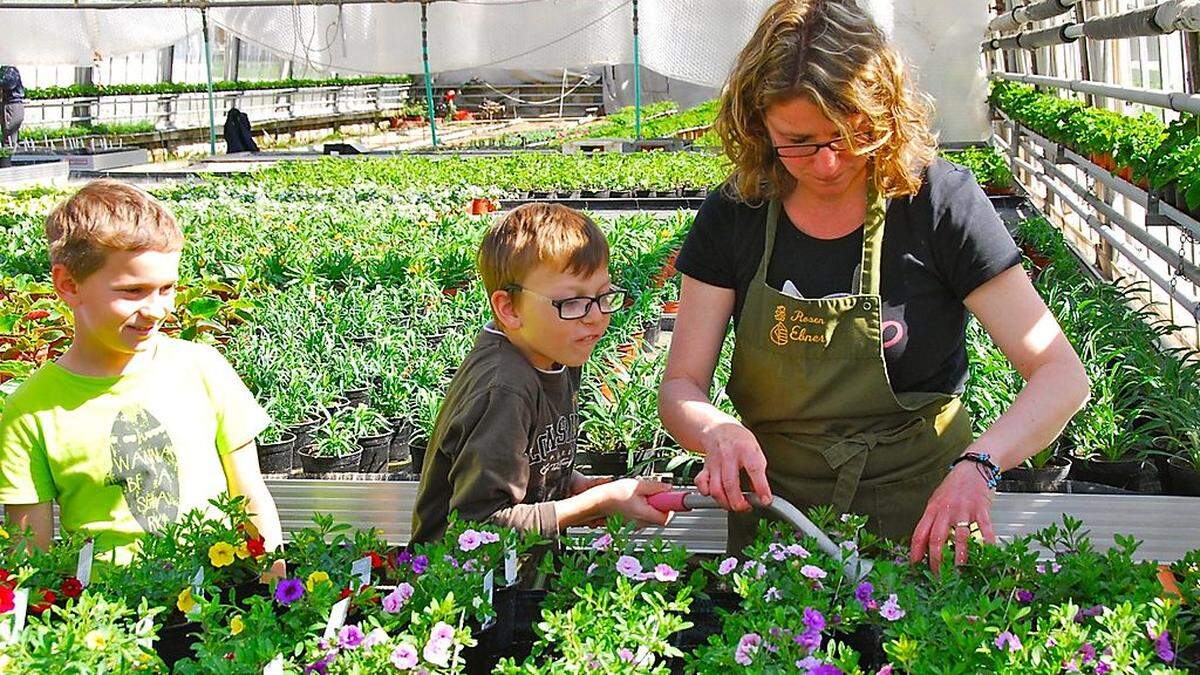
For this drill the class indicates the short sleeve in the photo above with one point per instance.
(707, 252)
(970, 245)
(240, 419)
(25, 476)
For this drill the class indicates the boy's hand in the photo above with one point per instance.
(627, 497)
(582, 483)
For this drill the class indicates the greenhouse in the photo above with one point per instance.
(551, 336)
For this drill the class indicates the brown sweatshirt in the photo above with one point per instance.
(503, 447)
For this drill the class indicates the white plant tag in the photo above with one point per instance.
(275, 667)
(489, 584)
(83, 570)
(337, 617)
(11, 630)
(510, 567)
(142, 629)
(198, 580)
(361, 568)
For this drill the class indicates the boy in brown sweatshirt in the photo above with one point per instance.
(503, 447)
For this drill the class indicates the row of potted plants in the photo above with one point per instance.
(1051, 602)
(91, 90)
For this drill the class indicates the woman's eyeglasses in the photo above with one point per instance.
(838, 144)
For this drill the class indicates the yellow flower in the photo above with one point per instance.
(220, 554)
(242, 551)
(3, 533)
(316, 578)
(95, 640)
(236, 625)
(186, 603)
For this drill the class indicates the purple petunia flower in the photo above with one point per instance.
(321, 665)
(825, 669)
(289, 591)
(393, 602)
(1089, 612)
(813, 619)
(420, 564)
(813, 572)
(451, 560)
(350, 637)
(625, 655)
(807, 663)
(863, 592)
(772, 595)
(777, 552)
(727, 565)
(809, 640)
(629, 566)
(469, 540)
(747, 646)
(489, 537)
(603, 542)
(1007, 640)
(797, 551)
(891, 609)
(851, 546)
(664, 572)
(404, 558)
(1162, 647)
(1103, 667)
(885, 670)
(1088, 652)
(1054, 568)
(405, 657)
(1024, 596)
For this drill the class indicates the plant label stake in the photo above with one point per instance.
(143, 629)
(510, 567)
(337, 617)
(197, 582)
(275, 667)
(9, 632)
(489, 584)
(83, 570)
(361, 568)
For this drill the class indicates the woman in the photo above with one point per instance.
(12, 105)
(849, 256)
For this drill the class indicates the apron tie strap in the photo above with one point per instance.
(848, 456)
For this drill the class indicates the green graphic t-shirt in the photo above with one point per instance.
(124, 455)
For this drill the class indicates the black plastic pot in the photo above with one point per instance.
(1182, 477)
(605, 463)
(1067, 487)
(336, 404)
(707, 617)
(435, 340)
(416, 449)
(1045, 479)
(1136, 475)
(643, 194)
(621, 194)
(344, 463)
(526, 613)
(375, 452)
(652, 329)
(277, 457)
(304, 433)
(358, 396)
(175, 642)
(666, 322)
(494, 640)
(401, 434)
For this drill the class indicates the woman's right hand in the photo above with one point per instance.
(730, 449)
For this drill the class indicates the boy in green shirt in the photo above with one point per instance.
(129, 429)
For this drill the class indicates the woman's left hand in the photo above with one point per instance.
(963, 498)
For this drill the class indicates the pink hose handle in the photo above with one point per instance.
(669, 501)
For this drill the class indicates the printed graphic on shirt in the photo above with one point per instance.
(145, 467)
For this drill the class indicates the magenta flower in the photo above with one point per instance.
(469, 540)
(891, 609)
(1103, 667)
(885, 670)
(602, 543)
(625, 655)
(807, 663)
(1007, 640)
(350, 637)
(1088, 652)
(809, 640)
(665, 573)
(777, 552)
(1162, 647)
(727, 565)
(813, 572)
(404, 558)
(747, 646)
(489, 537)
(393, 602)
(404, 657)
(797, 551)
(825, 669)
(813, 619)
(863, 592)
(289, 591)
(1024, 596)
(420, 564)
(629, 566)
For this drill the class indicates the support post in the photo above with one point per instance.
(428, 81)
(212, 113)
(637, 76)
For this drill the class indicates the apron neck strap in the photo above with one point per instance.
(872, 241)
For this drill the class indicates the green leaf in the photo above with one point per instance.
(204, 308)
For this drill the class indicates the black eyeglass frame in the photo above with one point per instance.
(592, 300)
(838, 144)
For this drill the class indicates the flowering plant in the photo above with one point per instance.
(330, 548)
(48, 574)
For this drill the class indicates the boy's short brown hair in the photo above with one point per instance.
(540, 233)
(104, 216)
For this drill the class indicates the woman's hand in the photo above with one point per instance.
(963, 498)
(731, 448)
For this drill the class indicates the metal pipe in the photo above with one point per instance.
(1177, 101)
(1047, 37)
(428, 80)
(1037, 11)
(637, 76)
(1160, 19)
(212, 114)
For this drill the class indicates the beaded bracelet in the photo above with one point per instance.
(983, 462)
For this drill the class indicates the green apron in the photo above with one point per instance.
(810, 381)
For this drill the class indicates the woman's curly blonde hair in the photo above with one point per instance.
(832, 53)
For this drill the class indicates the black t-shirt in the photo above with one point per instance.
(938, 247)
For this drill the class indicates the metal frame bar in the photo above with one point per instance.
(1177, 101)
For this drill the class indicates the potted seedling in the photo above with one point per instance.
(373, 433)
(334, 450)
(5, 158)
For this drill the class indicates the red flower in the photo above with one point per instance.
(71, 587)
(6, 599)
(36, 314)
(48, 599)
(376, 560)
(344, 594)
(256, 546)
(5, 578)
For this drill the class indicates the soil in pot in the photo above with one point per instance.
(1136, 475)
(605, 463)
(416, 449)
(375, 451)
(304, 432)
(277, 457)
(317, 464)
(402, 431)
(335, 404)
(1045, 479)
(1182, 477)
(175, 642)
(358, 396)
(707, 619)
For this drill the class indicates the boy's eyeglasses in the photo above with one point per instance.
(570, 309)
(838, 144)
